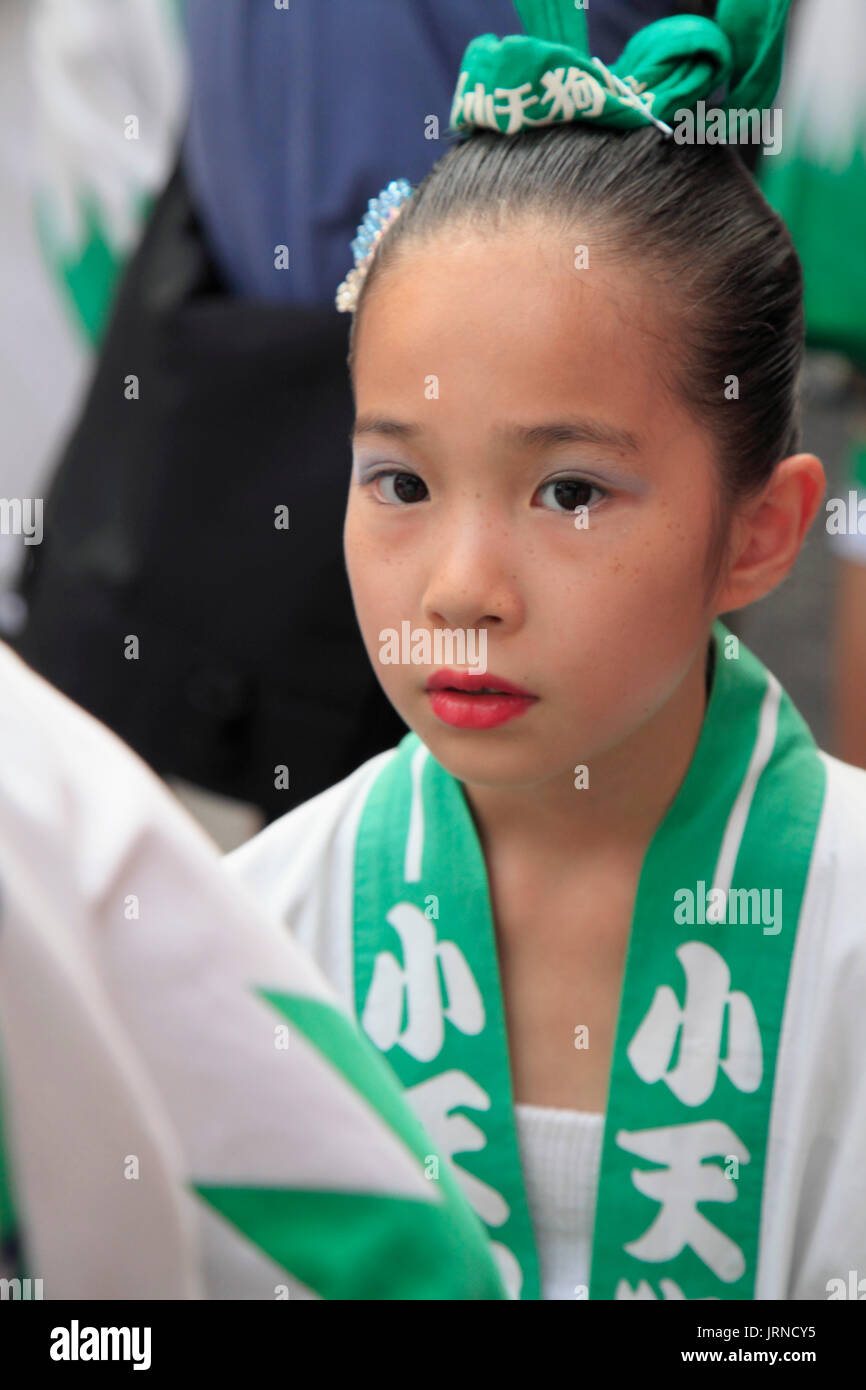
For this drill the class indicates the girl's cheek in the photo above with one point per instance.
(362, 562)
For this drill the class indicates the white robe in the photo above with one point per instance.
(813, 1222)
(140, 1062)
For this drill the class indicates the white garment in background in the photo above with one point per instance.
(95, 64)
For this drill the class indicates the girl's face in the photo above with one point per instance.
(498, 389)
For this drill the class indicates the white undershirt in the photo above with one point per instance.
(560, 1152)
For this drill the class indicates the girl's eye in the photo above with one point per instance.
(568, 493)
(399, 488)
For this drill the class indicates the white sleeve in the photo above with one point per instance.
(301, 870)
(141, 1057)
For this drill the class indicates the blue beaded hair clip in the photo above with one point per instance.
(380, 213)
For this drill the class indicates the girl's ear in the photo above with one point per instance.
(768, 530)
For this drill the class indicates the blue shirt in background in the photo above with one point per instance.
(299, 116)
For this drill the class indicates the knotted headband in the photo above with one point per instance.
(546, 75)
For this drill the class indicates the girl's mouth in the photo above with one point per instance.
(467, 700)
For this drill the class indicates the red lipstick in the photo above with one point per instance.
(467, 700)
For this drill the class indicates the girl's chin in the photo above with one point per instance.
(474, 757)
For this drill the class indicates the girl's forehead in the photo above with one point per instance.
(502, 318)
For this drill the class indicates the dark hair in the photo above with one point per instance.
(694, 220)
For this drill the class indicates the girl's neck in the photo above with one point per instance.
(631, 788)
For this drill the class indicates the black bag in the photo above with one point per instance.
(160, 525)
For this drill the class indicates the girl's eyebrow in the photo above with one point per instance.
(576, 431)
(377, 424)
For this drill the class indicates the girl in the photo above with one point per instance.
(601, 909)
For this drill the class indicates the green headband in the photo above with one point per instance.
(546, 75)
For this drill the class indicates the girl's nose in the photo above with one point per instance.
(471, 584)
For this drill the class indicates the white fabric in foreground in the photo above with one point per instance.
(138, 1056)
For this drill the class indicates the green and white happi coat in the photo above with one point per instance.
(109, 83)
(818, 185)
(732, 1160)
(818, 180)
(185, 1111)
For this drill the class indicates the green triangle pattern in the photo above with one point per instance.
(364, 1245)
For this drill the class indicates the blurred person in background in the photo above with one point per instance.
(846, 521)
(818, 184)
(73, 74)
(190, 590)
